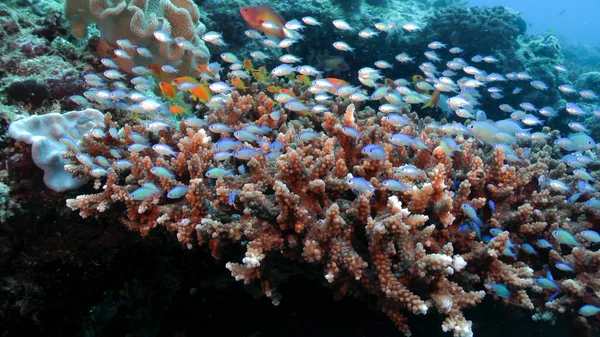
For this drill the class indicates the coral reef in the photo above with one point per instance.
(376, 242)
(418, 216)
(137, 20)
(484, 29)
(538, 54)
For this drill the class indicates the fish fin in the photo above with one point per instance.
(275, 38)
(553, 296)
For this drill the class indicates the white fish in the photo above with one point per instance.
(367, 33)
(411, 27)
(436, 45)
(383, 65)
(309, 20)
(343, 46)
(162, 36)
(342, 25)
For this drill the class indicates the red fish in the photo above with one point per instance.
(256, 15)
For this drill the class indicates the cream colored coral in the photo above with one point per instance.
(137, 20)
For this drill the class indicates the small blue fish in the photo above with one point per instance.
(164, 149)
(247, 153)
(231, 199)
(137, 147)
(508, 251)
(136, 137)
(591, 236)
(401, 139)
(542, 243)
(394, 185)
(589, 310)
(471, 214)
(495, 231)
(276, 146)
(477, 230)
(227, 144)
(115, 153)
(306, 136)
(122, 164)
(500, 289)
(564, 267)
(547, 282)
(217, 172)
(142, 193)
(573, 198)
(246, 136)
(351, 132)
(222, 155)
(219, 128)
(177, 192)
(527, 248)
(374, 152)
(85, 159)
(565, 237)
(98, 172)
(102, 161)
(492, 205)
(161, 172)
(359, 185)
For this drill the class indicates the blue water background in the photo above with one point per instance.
(574, 21)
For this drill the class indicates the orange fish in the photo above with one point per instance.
(183, 79)
(167, 89)
(201, 93)
(203, 68)
(304, 79)
(256, 15)
(238, 83)
(248, 66)
(260, 74)
(287, 91)
(435, 98)
(155, 69)
(337, 83)
(177, 110)
(273, 89)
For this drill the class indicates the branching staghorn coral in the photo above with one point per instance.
(407, 249)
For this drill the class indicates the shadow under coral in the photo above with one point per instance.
(65, 276)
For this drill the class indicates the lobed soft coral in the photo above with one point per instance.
(137, 20)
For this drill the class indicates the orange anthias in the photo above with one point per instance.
(167, 89)
(183, 79)
(256, 15)
(435, 98)
(177, 110)
(201, 93)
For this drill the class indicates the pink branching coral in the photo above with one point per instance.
(407, 249)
